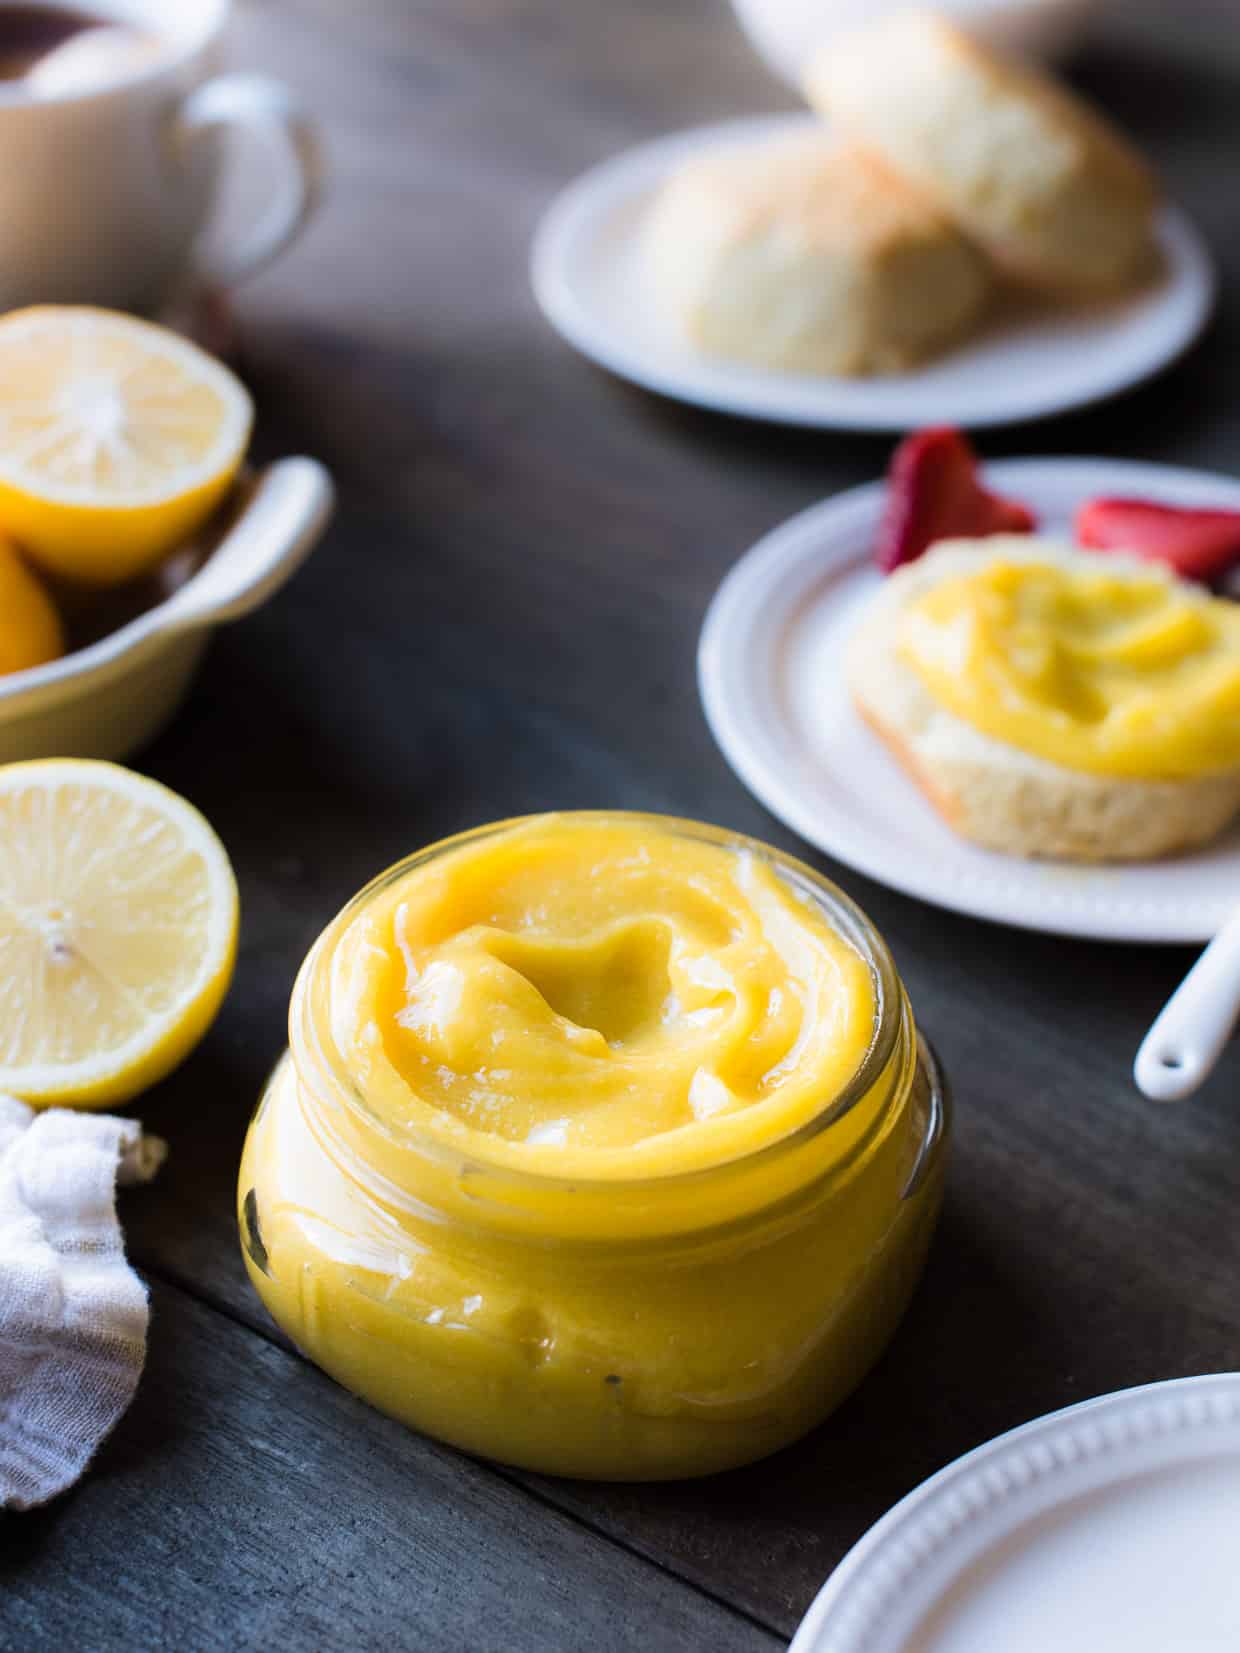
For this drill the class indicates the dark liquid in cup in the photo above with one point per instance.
(28, 33)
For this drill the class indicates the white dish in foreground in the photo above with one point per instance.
(588, 279)
(1107, 1528)
(114, 695)
(770, 673)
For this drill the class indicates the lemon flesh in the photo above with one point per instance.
(118, 439)
(118, 931)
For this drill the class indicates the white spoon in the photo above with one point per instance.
(1180, 1051)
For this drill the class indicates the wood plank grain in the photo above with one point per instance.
(247, 1502)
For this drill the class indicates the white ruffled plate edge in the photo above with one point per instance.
(983, 1498)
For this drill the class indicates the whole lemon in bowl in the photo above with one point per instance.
(118, 439)
(30, 630)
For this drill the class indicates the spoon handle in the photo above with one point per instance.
(1180, 1050)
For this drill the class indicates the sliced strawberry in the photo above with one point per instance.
(933, 493)
(1199, 545)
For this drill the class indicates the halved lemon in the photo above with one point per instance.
(117, 439)
(118, 931)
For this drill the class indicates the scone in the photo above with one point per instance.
(798, 255)
(1010, 797)
(1045, 185)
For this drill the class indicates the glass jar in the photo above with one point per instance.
(637, 1329)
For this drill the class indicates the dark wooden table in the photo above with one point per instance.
(503, 619)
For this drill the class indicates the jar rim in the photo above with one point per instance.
(890, 1026)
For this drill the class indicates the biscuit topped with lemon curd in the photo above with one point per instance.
(1051, 701)
(799, 255)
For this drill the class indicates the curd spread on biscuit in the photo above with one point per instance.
(1108, 668)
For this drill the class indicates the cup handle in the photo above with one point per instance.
(269, 110)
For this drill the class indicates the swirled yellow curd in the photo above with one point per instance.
(591, 997)
(1100, 664)
(605, 1145)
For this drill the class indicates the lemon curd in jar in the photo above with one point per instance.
(605, 1145)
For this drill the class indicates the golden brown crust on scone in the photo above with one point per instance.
(1017, 814)
(922, 775)
(1051, 190)
(798, 254)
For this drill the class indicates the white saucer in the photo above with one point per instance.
(772, 686)
(1110, 1527)
(590, 285)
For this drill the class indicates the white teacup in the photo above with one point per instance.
(105, 193)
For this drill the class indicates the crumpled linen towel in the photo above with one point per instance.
(73, 1314)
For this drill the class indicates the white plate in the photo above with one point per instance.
(590, 285)
(1111, 1527)
(775, 698)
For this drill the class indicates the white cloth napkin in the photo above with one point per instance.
(73, 1314)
